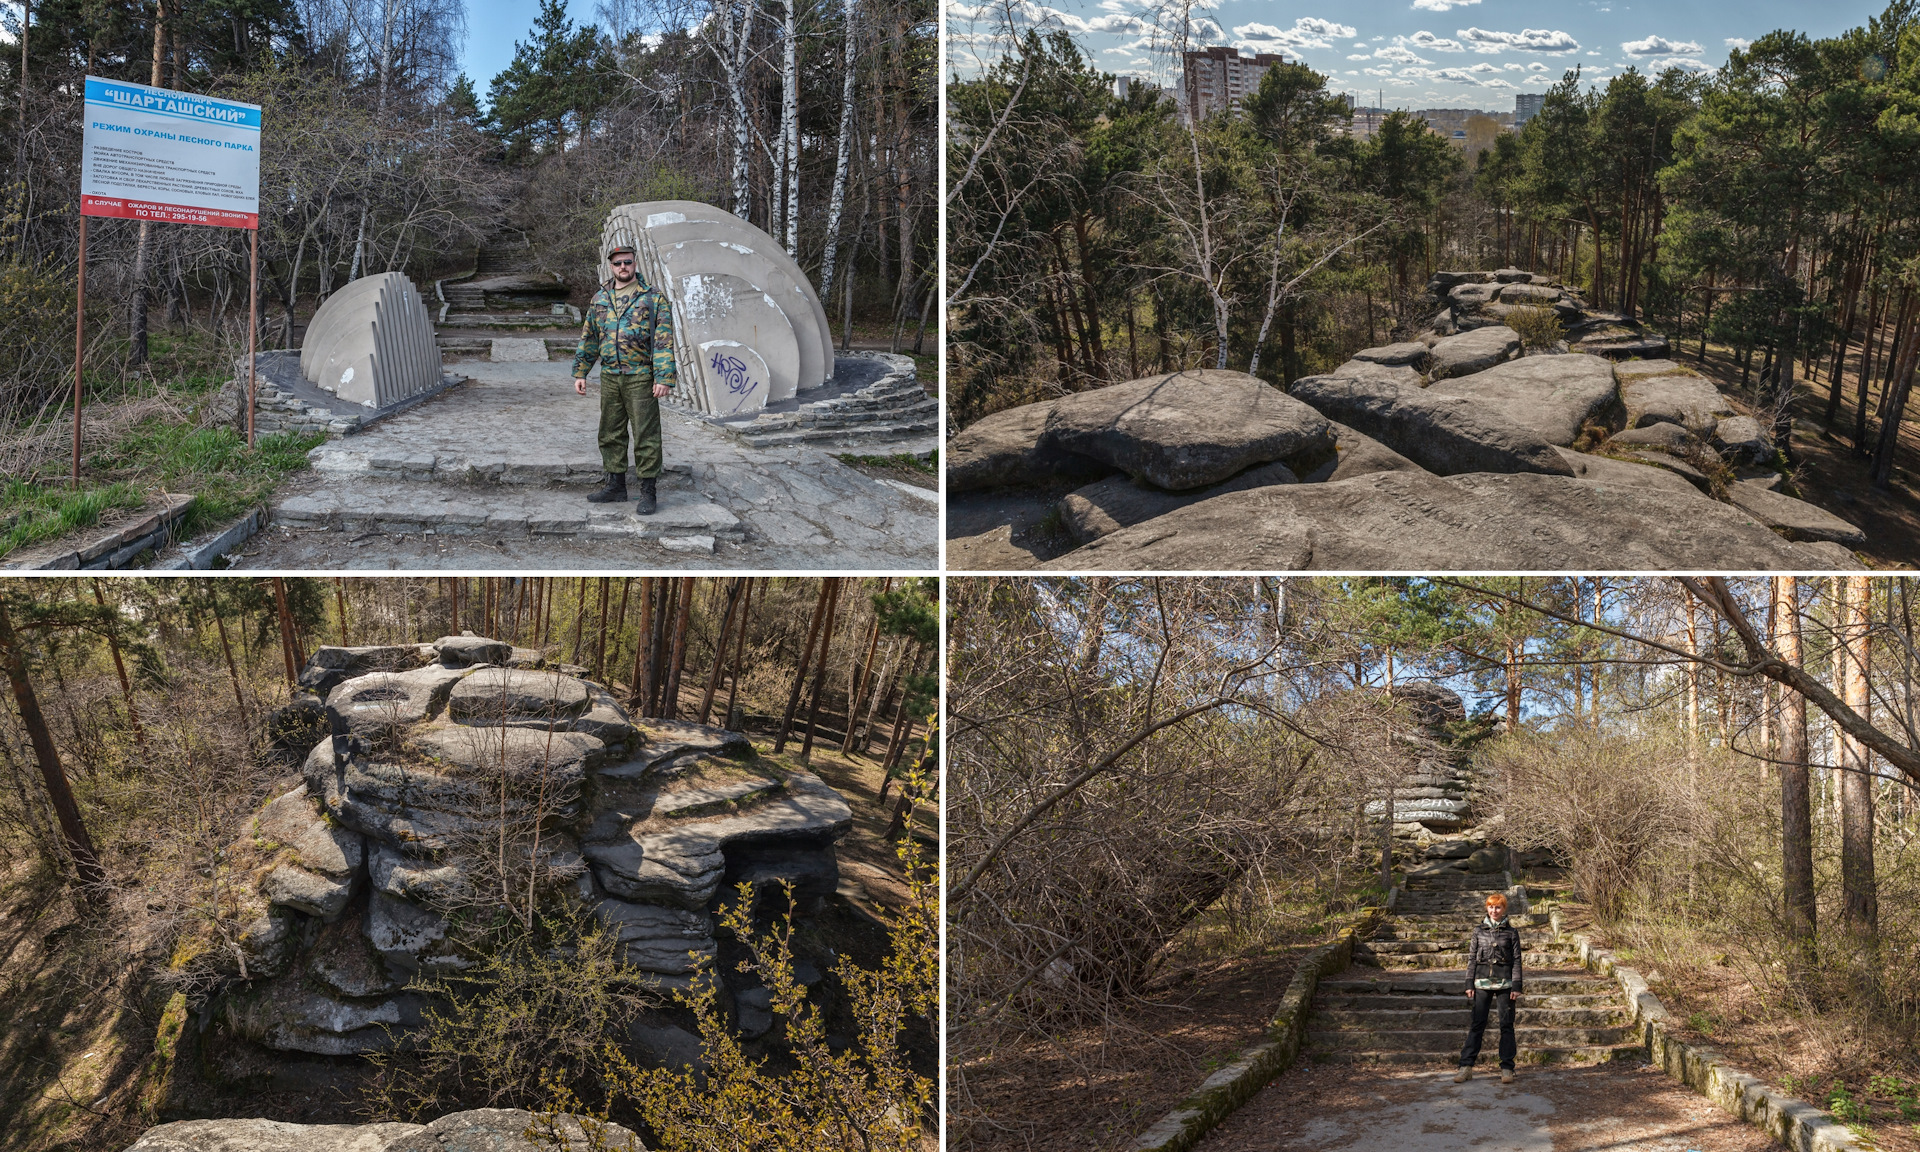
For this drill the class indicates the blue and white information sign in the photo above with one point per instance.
(155, 154)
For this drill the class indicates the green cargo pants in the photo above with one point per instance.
(624, 397)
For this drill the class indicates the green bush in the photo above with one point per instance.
(36, 313)
(1537, 327)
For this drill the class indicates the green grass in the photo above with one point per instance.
(31, 513)
(214, 464)
(930, 466)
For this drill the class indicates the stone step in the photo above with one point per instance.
(1363, 1002)
(876, 435)
(1459, 1015)
(534, 321)
(393, 507)
(1453, 880)
(1452, 960)
(1448, 1039)
(344, 458)
(1545, 983)
(1536, 939)
(1597, 1054)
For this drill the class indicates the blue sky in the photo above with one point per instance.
(1425, 53)
(493, 26)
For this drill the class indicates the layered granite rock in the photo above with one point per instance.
(359, 878)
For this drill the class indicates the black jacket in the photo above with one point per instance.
(1494, 951)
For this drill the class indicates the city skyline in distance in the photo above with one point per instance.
(1418, 54)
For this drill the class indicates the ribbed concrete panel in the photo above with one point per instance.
(372, 342)
(728, 281)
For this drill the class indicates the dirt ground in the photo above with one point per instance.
(1355, 1108)
(1093, 1089)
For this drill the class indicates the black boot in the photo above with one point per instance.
(645, 503)
(614, 492)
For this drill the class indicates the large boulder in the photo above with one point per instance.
(1661, 434)
(1474, 351)
(1005, 449)
(1798, 519)
(1430, 703)
(1406, 521)
(1607, 471)
(1190, 429)
(379, 704)
(1534, 294)
(1671, 398)
(1111, 504)
(466, 650)
(1470, 298)
(1444, 434)
(317, 861)
(668, 941)
(1744, 439)
(1554, 396)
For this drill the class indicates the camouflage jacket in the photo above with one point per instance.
(635, 337)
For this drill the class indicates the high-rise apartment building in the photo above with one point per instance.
(1217, 79)
(1525, 104)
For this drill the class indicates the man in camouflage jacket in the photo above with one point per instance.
(629, 330)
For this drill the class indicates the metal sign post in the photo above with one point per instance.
(157, 155)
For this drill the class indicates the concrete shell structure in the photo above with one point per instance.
(729, 284)
(372, 343)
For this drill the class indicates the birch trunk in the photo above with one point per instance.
(790, 127)
(836, 202)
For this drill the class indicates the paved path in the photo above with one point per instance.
(1357, 1108)
(494, 474)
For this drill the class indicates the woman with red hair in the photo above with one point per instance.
(1493, 968)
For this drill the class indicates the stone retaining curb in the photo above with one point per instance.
(1794, 1123)
(200, 557)
(1226, 1090)
(119, 547)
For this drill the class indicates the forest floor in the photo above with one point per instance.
(1828, 471)
(80, 1009)
(1853, 1064)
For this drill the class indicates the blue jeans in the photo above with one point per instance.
(1483, 999)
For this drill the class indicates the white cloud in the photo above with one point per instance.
(1361, 56)
(1516, 66)
(1378, 71)
(1738, 42)
(1660, 46)
(1536, 66)
(1483, 66)
(1359, 43)
(1456, 75)
(1498, 83)
(1399, 55)
(1307, 32)
(1430, 42)
(1442, 5)
(1121, 51)
(1684, 63)
(1526, 40)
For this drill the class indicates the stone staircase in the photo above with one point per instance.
(1402, 1000)
(893, 413)
(506, 294)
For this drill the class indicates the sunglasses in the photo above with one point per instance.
(622, 263)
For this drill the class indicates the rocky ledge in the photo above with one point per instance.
(352, 879)
(1454, 450)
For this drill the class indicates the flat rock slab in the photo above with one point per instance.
(1555, 396)
(1407, 354)
(1474, 351)
(1743, 438)
(1444, 434)
(517, 351)
(1689, 401)
(380, 703)
(1533, 294)
(1394, 374)
(1111, 504)
(386, 506)
(1605, 470)
(1797, 518)
(462, 651)
(330, 664)
(294, 821)
(562, 756)
(1661, 434)
(1005, 449)
(1189, 429)
(1401, 521)
(493, 694)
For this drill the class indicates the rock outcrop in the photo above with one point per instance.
(481, 1130)
(1581, 454)
(358, 875)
